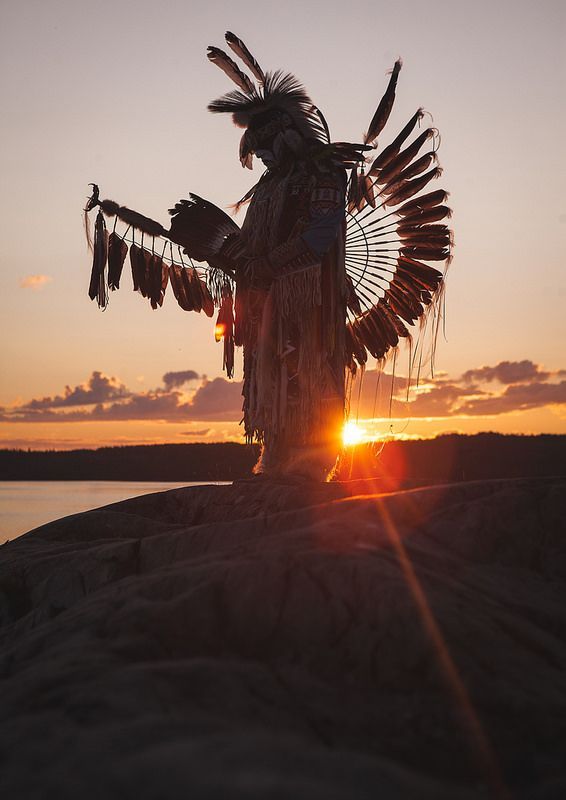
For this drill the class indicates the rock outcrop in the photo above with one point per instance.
(267, 640)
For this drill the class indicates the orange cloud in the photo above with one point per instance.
(35, 281)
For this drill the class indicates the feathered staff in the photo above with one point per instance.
(199, 227)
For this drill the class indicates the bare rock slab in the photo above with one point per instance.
(285, 640)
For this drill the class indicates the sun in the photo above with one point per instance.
(352, 434)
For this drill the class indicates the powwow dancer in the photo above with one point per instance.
(328, 266)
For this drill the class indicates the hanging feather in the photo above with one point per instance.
(155, 279)
(175, 276)
(117, 251)
(98, 287)
(92, 202)
(189, 290)
(354, 195)
(134, 255)
(206, 303)
(383, 111)
(224, 329)
(227, 65)
(197, 294)
(143, 272)
(242, 51)
(164, 280)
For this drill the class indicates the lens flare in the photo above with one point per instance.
(219, 331)
(352, 434)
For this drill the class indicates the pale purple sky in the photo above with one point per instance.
(116, 93)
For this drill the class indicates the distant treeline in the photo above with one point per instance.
(447, 458)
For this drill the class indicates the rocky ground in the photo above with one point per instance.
(268, 640)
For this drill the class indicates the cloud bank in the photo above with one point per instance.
(104, 398)
(509, 386)
(485, 391)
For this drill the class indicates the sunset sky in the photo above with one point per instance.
(116, 93)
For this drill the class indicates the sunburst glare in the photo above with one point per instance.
(353, 434)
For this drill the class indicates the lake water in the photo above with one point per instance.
(25, 505)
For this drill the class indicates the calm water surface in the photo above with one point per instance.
(25, 505)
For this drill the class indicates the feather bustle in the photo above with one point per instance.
(400, 161)
(410, 188)
(391, 150)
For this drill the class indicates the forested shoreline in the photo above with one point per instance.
(451, 457)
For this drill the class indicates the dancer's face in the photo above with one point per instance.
(267, 156)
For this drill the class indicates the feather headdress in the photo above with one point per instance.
(277, 105)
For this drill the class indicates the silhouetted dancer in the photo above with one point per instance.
(327, 267)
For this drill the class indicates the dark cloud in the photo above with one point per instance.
(201, 432)
(519, 397)
(218, 400)
(430, 400)
(172, 380)
(98, 389)
(438, 401)
(507, 372)
(445, 398)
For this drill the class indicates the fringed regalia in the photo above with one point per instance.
(293, 330)
(328, 267)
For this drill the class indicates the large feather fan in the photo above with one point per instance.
(396, 239)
